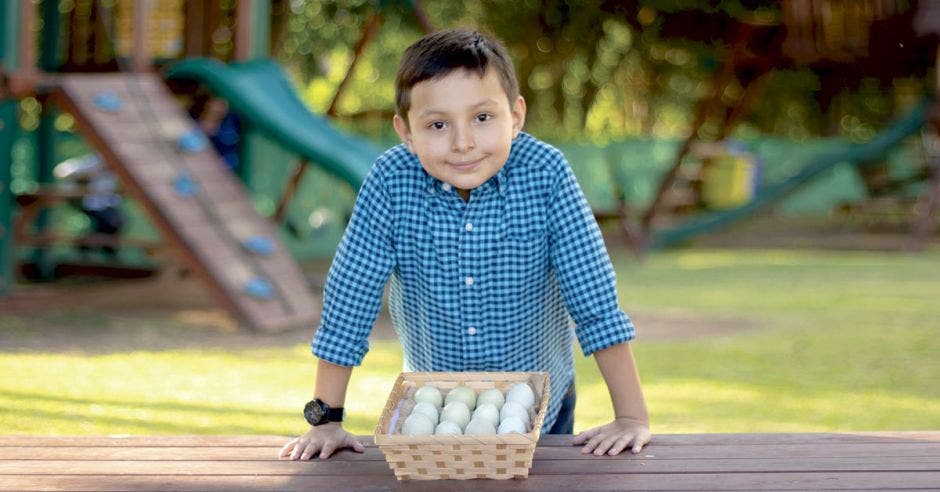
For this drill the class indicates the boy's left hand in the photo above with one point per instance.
(614, 437)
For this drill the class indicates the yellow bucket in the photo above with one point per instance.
(728, 181)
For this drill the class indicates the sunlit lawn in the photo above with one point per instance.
(844, 341)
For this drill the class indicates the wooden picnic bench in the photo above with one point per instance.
(815, 461)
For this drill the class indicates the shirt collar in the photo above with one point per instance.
(499, 179)
(498, 182)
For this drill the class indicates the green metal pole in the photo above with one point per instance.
(259, 46)
(9, 27)
(46, 133)
(51, 30)
(45, 161)
(10, 34)
(8, 130)
(260, 28)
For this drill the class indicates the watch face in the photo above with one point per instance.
(313, 412)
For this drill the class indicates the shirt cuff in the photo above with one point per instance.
(337, 350)
(605, 332)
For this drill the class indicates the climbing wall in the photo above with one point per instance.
(201, 208)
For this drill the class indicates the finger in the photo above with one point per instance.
(286, 450)
(328, 449)
(642, 439)
(620, 445)
(309, 451)
(298, 448)
(592, 443)
(356, 445)
(584, 436)
(606, 444)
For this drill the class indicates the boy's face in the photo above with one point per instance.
(461, 127)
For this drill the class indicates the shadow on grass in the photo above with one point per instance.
(158, 417)
(94, 335)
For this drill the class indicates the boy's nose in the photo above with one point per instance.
(463, 139)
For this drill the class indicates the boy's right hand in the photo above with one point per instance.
(325, 439)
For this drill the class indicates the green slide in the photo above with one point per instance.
(855, 154)
(259, 92)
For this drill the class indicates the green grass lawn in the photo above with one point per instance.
(845, 341)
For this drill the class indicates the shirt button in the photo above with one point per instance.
(446, 186)
(468, 227)
(469, 281)
(471, 331)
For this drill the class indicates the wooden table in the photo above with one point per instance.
(824, 461)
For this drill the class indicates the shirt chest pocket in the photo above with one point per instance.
(522, 258)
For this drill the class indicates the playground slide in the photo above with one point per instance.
(855, 154)
(259, 93)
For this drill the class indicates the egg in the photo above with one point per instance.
(521, 393)
(446, 427)
(480, 427)
(514, 409)
(427, 409)
(486, 411)
(457, 413)
(417, 424)
(511, 424)
(431, 395)
(493, 396)
(463, 394)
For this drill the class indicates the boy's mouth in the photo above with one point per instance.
(466, 165)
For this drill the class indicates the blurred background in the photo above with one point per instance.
(766, 173)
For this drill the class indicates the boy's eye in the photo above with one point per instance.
(437, 125)
(484, 117)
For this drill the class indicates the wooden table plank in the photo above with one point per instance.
(137, 441)
(757, 439)
(824, 461)
(584, 482)
(600, 465)
(657, 452)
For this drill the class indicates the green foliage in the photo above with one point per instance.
(315, 28)
(590, 71)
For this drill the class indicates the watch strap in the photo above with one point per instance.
(334, 414)
(316, 412)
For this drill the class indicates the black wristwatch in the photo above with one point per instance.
(318, 413)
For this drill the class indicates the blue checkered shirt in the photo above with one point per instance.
(486, 285)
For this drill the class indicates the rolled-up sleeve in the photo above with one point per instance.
(361, 266)
(583, 268)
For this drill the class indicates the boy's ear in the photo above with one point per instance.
(518, 116)
(401, 128)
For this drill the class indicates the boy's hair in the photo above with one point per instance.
(440, 53)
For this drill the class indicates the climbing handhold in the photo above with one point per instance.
(108, 101)
(259, 288)
(260, 245)
(192, 141)
(184, 185)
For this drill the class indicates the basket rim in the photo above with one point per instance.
(515, 440)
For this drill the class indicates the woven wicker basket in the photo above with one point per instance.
(459, 457)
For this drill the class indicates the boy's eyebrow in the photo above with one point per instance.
(488, 102)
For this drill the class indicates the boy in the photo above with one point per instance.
(490, 245)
